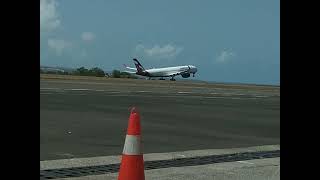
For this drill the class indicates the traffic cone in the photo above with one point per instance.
(132, 166)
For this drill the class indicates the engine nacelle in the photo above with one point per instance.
(185, 75)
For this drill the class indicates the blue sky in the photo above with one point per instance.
(228, 40)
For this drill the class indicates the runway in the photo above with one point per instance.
(85, 118)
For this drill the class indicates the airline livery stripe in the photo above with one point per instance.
(132, 145)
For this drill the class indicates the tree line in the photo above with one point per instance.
(97, 72)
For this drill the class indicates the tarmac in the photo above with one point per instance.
(82, 118)
(257, 168)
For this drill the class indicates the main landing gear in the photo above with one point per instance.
(172, 79)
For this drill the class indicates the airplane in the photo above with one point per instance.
(184, 71)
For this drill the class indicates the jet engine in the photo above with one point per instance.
(185, 75)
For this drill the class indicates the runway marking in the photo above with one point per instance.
(45, 93)
(51, 90)
(229, 94)
(260, 96)
(177, 94)
(214, 97)
(96, 90)
(181, 92)
(99, 90)
(235, 94)
(245, 162)
(143, 91)
(115, 92)
(48, 88)
(238, 94)
(181, 155)
(78, 89)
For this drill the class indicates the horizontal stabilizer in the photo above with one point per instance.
(131, 68)
(130, 72)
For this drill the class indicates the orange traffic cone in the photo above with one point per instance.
(132, 167)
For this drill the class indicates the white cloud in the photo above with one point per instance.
(225, 56)
(87, 36)
(165, 52)
(49, 19)
(58, 45)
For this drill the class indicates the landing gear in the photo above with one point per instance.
(161, 79)
(172, 79)
(193, 74)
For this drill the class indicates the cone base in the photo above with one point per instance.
(131, 167)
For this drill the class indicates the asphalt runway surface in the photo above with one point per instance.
(86, 118)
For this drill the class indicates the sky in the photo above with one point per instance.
(228, 40)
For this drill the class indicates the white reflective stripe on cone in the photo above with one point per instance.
(132, 145)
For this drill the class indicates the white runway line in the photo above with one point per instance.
(239, 94)
(78, 94)
(214, 97)
(143, 91)
(78, 89)
(49, 88)
(181, 92)
(185, 94)
(235, 94)
(261, 96)
(74, 89)
(179, 96)
(228, 94)
(99, 90)
(181, 155)
(245, 162)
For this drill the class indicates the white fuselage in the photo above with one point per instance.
(168, 71)
(184, 71)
